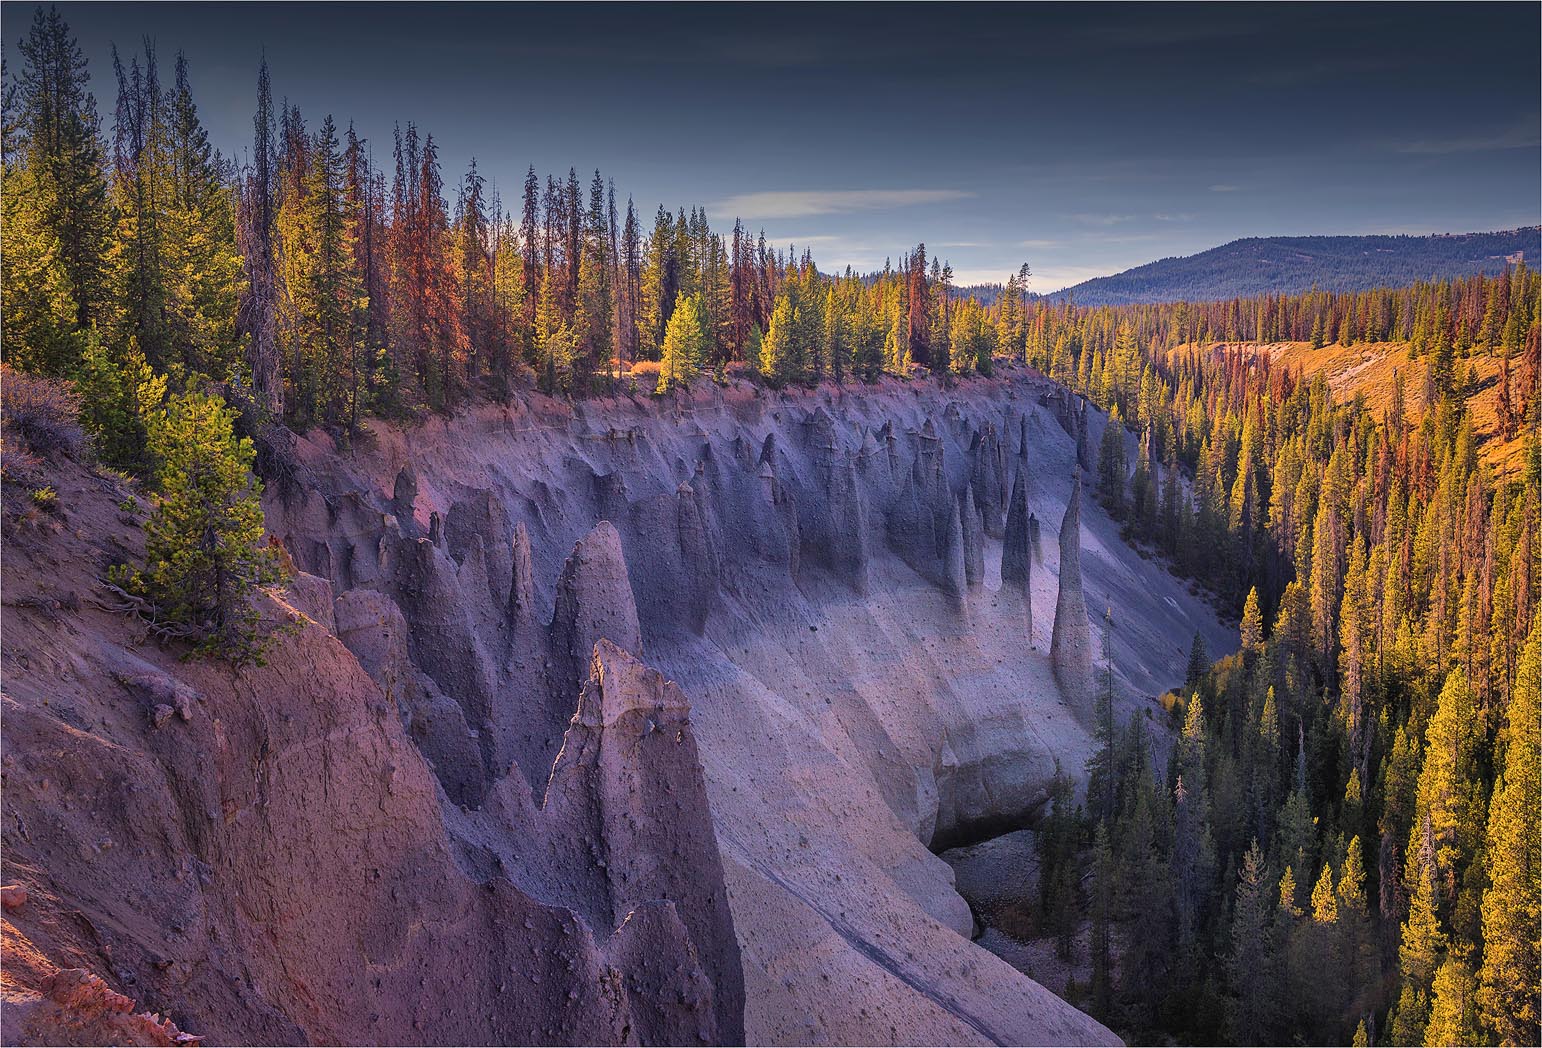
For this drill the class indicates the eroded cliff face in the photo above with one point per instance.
(806, 635)
(850, 587)
(265, 856)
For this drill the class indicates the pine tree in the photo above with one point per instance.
(1104, 891)
(685, 344)
(1112, 466)
(1288, 892)
(325, 293)
(1252, 623)
(595, 303)
(554, 342)
(1326, 579)
(202, 269)
(1198, 664)
(1448, 802)
(1253, 1009)
(203, 563)
(1325, 908)
(1102, 766)
(1056, 845)
(780, 359)
(59, 144)
(257, 318)
(1422, 942)
(1509, 977)
(1193, 853)
(1406, 1021)
(475, 241)
(42, 333)
(117, 397)
(1453, 1005)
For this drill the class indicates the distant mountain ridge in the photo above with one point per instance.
(1262, 265)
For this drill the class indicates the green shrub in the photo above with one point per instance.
(203, 561)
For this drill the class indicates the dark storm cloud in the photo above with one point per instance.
(1087, 138)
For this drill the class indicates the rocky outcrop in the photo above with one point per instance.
(987, 480)
(922, 518)
(520, 612)
(676, 575)
(442, 602)
(699, 558)
(1085, 456)
(626, 794)
(955, 578)
(404, 498)
(594, 603)
(74, 1007)
(1070, 649)
(832, 522)
(275, 862)
(371, 625)
(974, 542)
(1017, 551)
(477, 528)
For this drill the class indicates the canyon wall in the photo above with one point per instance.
(688, 686)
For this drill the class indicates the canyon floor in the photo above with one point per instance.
(629, 719)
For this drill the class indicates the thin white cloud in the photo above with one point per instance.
(958, 244)
(1100, 218)
(1117, 238)
(1040, 243)
(808, 203)
(1173, 216)
(1521, 136)
(1222, 187)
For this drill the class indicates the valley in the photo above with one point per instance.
(851, 702)
(696, 600)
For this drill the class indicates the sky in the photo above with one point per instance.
(1081, 140)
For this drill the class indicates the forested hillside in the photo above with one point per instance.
(1290, 265)
(1343, 843)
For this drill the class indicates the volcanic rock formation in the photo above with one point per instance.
(274, 861)
(1070, 650)
(1017, 549)
(458, 806)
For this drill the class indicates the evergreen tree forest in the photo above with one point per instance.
(327, 278)
(315, 285)
(1342, 844)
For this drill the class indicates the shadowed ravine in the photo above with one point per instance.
(852, 603)
(868, 676)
